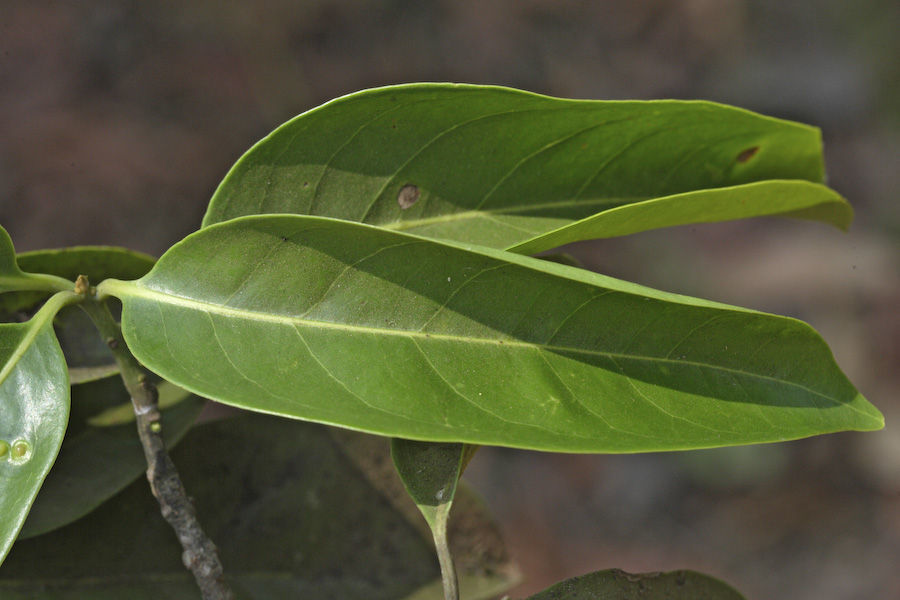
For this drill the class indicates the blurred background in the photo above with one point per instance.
(118, 119)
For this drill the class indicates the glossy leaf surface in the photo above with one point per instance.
(352, 325)
(496, 166)
(799, 199)
(34, 409)
(619, 585)
(86, 353)
(95, 463)
(291, 515)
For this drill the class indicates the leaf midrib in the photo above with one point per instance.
(510, 210)
(126, 290)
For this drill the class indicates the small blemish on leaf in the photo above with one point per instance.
(4, 449)
(747, 154)
(409, 195)
(20, 451)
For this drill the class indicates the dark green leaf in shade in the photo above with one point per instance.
(430, 472)
(356, 326)
(292, 516)
(86, 353)
(482, 562)
(619, 585)
(497, 166)
(799, 199)
(95, 463)
(34, 409)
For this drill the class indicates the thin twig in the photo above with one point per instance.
(200, 555)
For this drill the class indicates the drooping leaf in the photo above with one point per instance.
(430, 472)
(483, 564)
(34, 408)
(291, 516)
(86, 353)
(615, 584)
(496, 166)
(12, 278)
(800, 199)
(97, 462)
(356, 326)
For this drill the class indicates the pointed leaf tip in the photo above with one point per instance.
(532, 163)
(488, 347)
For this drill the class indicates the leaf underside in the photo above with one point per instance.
(797, 199)
(497, 167)
(355, 326)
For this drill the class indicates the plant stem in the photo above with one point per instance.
(448, 568)
(200, 555)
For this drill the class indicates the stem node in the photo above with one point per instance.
(165, 484)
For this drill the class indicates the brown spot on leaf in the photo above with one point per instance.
(747, 154)
(409, 195)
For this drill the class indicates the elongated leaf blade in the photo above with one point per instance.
(496, 166)
(291, 515)
(369, 329)
(34, 409)
(619, 585)
(799, 199)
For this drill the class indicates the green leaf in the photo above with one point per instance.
(34, 408)
(8, 266)
(619, 585)
(86, 353)
(95, 463)
(430, 473)
(291, 515)
(12, 278)
(356, 326)
(799, 199)
(496, 166)
(482, 562)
